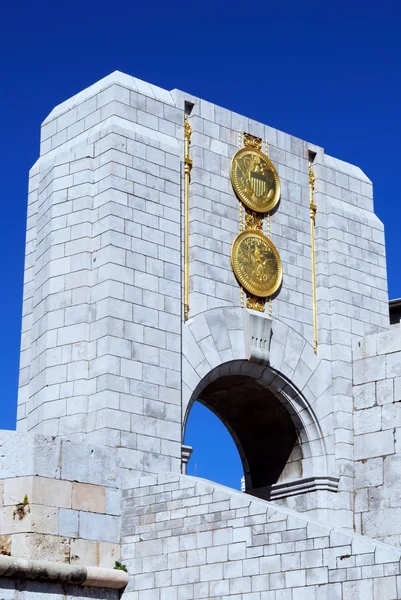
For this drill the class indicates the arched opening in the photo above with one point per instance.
(268, 421)
(261, 426)
(215, 455)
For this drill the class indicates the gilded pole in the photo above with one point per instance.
(241, 218)
(187, 178)
(312, 213)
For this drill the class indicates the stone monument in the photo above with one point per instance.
(177, 251)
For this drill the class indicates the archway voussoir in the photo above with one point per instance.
(294, 346)
(324, 405)
(198, 327)
(320, 380)
(233, 317)
(203, 369)
(193, 352)
(186, 396)
(189, 376)
(276, 354)
(301, 375)
(210, 351)
(237, 343)
(308, 391)
(217, 324)
(277, 383)
(280, 331)
(254, 370)
(226, 355)
(309, 358)
(287, 370)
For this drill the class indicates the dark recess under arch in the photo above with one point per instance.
(261, 426)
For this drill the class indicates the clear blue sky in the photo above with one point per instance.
(328, 72)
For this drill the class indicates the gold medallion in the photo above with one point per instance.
(256, 263)
(255, 180)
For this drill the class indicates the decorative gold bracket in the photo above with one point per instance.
(187, 179)
(312, 213)
(253, 220)
(251, 141)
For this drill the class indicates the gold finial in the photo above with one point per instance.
(252, 142)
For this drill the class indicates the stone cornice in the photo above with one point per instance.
(41, 570)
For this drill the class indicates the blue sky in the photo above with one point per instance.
(325, 72)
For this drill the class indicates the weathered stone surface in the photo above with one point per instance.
(48, 547)
(39, 490)
(5, 545)
(258, 546)
(23, 454)
(109, 371)
(377, 420)
(47, 571)
(89, 498)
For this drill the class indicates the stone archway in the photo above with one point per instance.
(272, 421)
(263, 431)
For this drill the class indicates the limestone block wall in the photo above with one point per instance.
(101, 326)
(377, 431)
(352, 290)
(27, 303)
(217, 347)
(104, 345)
(345, 217)
(350, 253)
(350, 240)
(187, 538)
(59, 520)
(59, 501)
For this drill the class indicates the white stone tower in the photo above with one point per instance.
(107, 357)
(132, 312)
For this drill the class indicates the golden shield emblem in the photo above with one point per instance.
(255, 180)
(256, 263)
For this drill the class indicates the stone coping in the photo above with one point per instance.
(41, 570)
(304, 486)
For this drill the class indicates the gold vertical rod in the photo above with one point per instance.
(187, 179)
(312, 213)
(241, 220)
(241, 228)
(270, 299)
